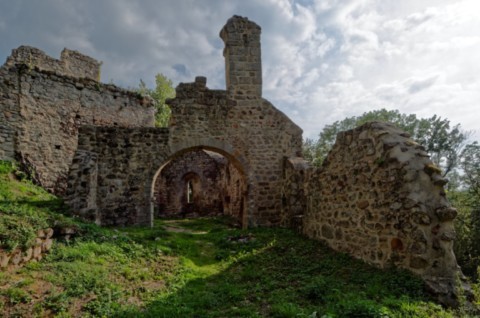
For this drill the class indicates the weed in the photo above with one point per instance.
(318, 289)
(285, 310)
(6, 167)
(353, 306)
(380, 161)
(105, 305)
(80, 278)
(16, 295)
(57, 303)
(24, 282)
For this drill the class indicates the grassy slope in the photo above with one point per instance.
(24, 209)
(193, 268)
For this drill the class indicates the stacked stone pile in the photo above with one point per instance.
(17, 257)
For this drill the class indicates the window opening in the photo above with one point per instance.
(189, 192)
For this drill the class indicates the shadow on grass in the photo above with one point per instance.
(287, 277)
(55, 205)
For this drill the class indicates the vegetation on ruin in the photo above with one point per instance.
(162, 91)
(193, 268)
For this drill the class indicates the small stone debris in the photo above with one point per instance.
(241, 238)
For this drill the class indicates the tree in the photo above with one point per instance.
(470, 163)
(467, 201)
(443, 143)
(163, 90)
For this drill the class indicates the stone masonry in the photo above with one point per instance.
(43, 101)
(114, 169)
(71, 63)
(380, 198)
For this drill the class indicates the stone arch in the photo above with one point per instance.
(236, 123)
(221, 147)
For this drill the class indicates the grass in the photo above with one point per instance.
(25, 209)
(201, 268)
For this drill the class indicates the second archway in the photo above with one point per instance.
(200, 182)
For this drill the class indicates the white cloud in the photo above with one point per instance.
(419, 61)
(323, 60)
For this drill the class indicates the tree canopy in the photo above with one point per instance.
(470, 164)
(163, 90)
(441, 140)
(466, 199)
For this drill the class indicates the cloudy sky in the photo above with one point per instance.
(323, 60)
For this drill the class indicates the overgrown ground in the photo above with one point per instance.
(191, 268)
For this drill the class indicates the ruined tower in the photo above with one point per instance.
(243, 65)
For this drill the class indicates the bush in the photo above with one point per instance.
(6, 167)
(354, 307)
(467, 227)
(317, 289)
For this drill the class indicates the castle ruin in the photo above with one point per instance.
(378, 196)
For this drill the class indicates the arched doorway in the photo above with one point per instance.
(200, 181)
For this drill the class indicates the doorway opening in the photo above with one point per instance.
(199, 183)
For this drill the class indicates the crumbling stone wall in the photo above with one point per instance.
(380, 198)
(45, 100)
(233, 192)
(243, 64)
(294, 204)
(71, 63)
(9, 112)
(260, 136)
(111, 177)
(238, 123)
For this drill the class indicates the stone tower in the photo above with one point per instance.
(243, 65)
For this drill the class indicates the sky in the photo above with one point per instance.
(323, 60)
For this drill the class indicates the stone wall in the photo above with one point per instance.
(380, 198)
(294, 204)
(243, 64)
(233, 192)
(111, 177)
(259, 136)
(238, 123)
(17, 257)
(9, 111)
(71, 63)
(44, 102)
